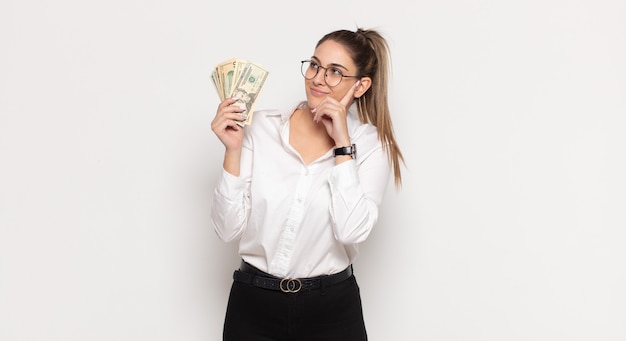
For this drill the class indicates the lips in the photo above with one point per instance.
(318, 92)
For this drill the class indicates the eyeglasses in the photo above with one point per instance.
(332, 75)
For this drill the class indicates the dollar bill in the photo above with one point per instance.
(216, 82)
(227, 74)
(242, 79)
(247, 89)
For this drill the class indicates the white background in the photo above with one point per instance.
(511, 223)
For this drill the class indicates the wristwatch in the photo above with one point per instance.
(349, 150)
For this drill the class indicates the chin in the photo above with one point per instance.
(312, 103)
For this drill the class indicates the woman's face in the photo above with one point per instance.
(330, 54)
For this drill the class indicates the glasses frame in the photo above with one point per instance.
(318, 71)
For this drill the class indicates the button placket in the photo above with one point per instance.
(283, 254)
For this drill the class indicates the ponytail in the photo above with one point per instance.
(370, 52)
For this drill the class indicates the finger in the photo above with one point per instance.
(233, 109)
(320, 112)
(347, 99)
(235, 116)
(221, 128)
(328, 108)
(230, 110)
(228, 103)
(228, 119)
(227, 113)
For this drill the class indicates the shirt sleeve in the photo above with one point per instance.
(231, 206)
(357, 190)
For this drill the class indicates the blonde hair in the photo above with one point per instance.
(370, 52)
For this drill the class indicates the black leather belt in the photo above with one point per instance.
(251, 275)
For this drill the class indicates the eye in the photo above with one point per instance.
(313, 65)
(336, 72)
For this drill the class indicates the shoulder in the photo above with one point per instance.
(266, 121)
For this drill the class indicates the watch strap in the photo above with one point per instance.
(347, 150)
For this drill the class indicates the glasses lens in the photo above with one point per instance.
(308, 70)
(333, 77)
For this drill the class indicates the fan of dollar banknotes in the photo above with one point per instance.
(241, 79)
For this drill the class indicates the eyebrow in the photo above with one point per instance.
(331, 64)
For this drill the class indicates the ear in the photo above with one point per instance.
(366, 82)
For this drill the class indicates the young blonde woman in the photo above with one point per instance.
(300, 189)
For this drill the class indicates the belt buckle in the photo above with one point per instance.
(290, 285)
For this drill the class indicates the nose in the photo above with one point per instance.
(321, 72)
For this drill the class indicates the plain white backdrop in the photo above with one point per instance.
(510, 225)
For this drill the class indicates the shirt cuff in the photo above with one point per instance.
(344, 175)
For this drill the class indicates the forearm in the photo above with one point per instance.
(230, 207)
(232, 162)
(356, 192)
(354, 218)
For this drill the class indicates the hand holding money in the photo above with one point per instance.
(240, 79)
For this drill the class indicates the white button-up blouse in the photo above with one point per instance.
(294, 219)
